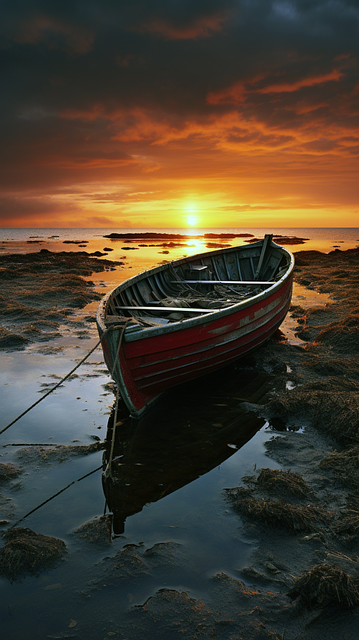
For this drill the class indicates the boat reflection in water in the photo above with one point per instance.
(193, 430)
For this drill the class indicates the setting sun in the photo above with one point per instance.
(271, 143)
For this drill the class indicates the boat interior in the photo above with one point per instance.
(192, 287)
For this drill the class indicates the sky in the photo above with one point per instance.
(179, 113)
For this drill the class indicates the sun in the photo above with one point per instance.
(191, 220)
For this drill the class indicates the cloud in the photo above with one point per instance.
(200, 28)
(43, 26)
(185, 20)
(103, 221)
(140, 91)
(287, 87)
(28, 211)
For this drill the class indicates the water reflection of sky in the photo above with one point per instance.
(196, 515)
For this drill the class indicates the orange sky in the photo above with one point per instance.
(219, 113)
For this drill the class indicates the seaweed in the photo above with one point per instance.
(342, 336)
(344, 464)
(349, 524)
(279, 514)
(27, 552)
(325, 585)
(8, 471)
(336, 413)
(280, 481)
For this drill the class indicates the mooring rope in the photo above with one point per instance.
(108, 470)
(111, 328)
(52, 388)
(54, 496)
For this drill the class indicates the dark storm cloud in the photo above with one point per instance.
(77, 77)
(70, 54)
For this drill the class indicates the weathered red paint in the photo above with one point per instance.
(153, 365)
(147, 362)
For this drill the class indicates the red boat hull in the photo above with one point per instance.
(144, 368)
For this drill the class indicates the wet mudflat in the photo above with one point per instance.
(39, 292)
(244, 523)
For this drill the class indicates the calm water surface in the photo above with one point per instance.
(195, 515)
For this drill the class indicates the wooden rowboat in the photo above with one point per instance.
(186, 318)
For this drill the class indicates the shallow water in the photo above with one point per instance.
(195, 516)
(31, 240)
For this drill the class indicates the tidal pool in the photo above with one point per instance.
(178, 539)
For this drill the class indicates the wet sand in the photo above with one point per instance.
(301, 581)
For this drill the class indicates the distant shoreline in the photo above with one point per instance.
(176, 240)
(174, 236)
(149, 235)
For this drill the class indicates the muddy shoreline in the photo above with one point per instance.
(40, 292)
(309, 542)
(302, 579)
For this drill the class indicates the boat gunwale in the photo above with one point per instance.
(147, 332)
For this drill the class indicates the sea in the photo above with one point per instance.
(321, 239)
(141, 251)
(58, 496)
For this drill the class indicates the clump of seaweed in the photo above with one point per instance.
(349, 524)
(337, 370)
(335, 413)
(11, 340)
(97, 531)
(8, 471)
(280, 514)
(56, 453)
(345, 464)
(28, 552)
(343, 336)
(282, 482)
(324, 586)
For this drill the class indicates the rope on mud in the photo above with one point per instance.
(123, 326)
(54, 496)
